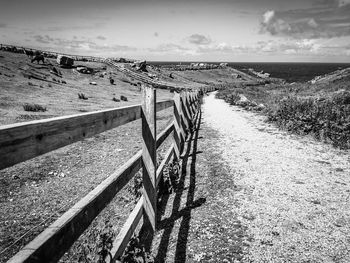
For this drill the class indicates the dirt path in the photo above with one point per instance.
(288, 195)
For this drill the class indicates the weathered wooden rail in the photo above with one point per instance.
(23, 141)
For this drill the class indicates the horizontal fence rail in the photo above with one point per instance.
(30, 139)
(22, 141)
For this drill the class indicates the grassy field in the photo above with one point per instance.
(321, 109)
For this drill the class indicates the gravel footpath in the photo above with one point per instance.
(289, 193)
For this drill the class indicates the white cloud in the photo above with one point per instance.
(198, 39)
(329, 20)
(268, 16)
(169, 47)
(312, 23)
(343, 2)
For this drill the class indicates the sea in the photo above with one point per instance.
(290, 72)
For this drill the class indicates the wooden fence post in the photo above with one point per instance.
(193, 103)
(149, 155)
(179, 134)
(186, 125)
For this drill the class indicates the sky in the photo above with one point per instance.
(183, 30)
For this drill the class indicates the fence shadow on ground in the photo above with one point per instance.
(188, 169)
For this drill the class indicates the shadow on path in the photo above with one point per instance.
(188, 167)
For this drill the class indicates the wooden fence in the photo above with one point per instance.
(23, 141)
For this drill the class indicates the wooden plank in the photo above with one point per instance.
(22, 141)
(194, 102)
(162, 105)
(164, 134)
(190, 104)
(185, 114)
(165, 161)
(123, 238)
(149, 153)
(179, 135)
(55, 240)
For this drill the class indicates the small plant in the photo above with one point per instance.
(123, 98)
(33, 107)
(137, 189)
(105, 242)
(115, 99)
(171, 174)
(82, 96)
(136, 252)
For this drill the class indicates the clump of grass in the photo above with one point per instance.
(136, 252)
(33, 107)
(123, 98)
(82, 96)
(115, 99)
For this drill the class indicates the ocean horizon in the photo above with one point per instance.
(289, 71)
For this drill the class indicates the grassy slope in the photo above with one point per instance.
(59, 99)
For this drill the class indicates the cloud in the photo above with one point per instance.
(156, 34)
(326, 19)
(343, 2)
(101, 38)
(76, 27)
(280, 47)
(331, 3)
(80, 45)
(3, 25)
(44, 39)
(274, 25)
(169, 47)
(198, 39)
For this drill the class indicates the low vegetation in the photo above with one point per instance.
(320, 110)
(82, 96)
(33, 107)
